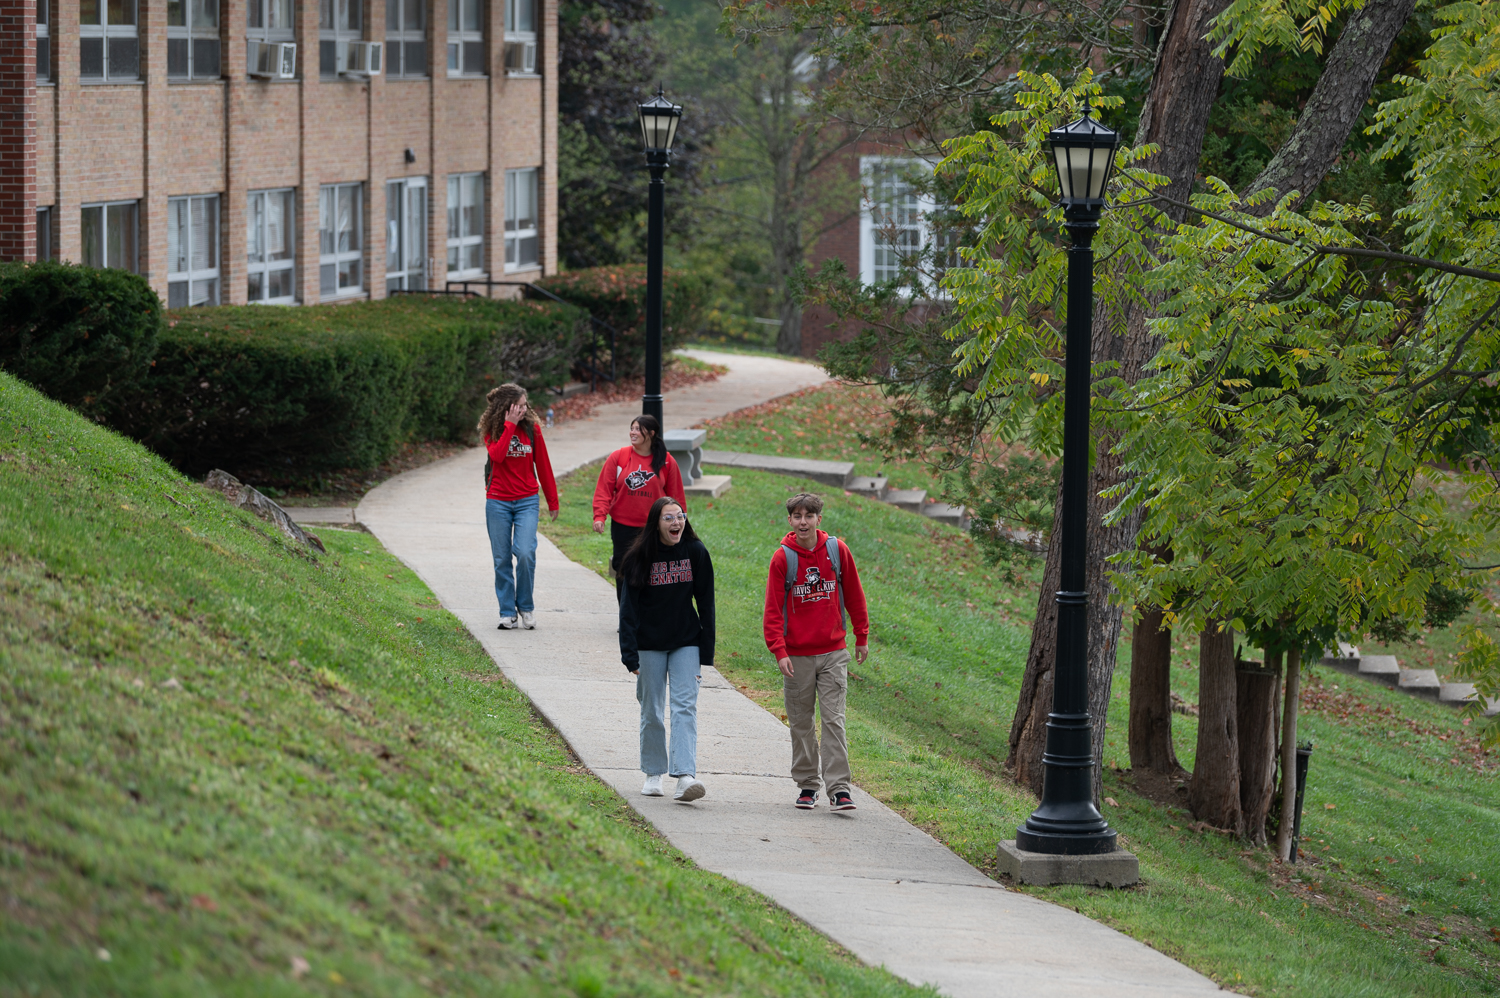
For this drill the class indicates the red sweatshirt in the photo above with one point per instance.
(519, 460)
(627, 487)
(813, 626)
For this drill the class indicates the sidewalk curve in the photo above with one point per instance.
(869, 880)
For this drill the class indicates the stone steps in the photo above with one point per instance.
(1424, 683)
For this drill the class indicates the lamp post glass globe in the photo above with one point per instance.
(1083, 153)
(659, 118)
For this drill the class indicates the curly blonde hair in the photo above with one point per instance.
(492, 423)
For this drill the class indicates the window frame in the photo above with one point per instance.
(515, 237)
(338, 36)
(462, 41)
(46, 246)
(467, 210)
(107, 35)
(103, 207)
(519, 42)
(194, 35)
(265, 31)
(400, 194)
(214, 238)
(929, 241)
(337, 258)
(43, 41)
(265, 268)
(400, 39)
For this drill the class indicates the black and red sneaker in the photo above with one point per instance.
(807, 800)
(843, 802)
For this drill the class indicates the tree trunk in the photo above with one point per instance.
(1336, 102)
(1151, 694)
(1257, 691)
(789, 335)
(1214, 793)
(1289, 754)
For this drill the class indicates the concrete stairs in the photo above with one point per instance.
(1424, 683)
(840, 474)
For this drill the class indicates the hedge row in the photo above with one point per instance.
(617, 296)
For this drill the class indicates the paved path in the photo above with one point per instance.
(869, 880)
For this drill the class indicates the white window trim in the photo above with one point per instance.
(403, 190)
(513, 237)
(44, 37)
(191, 276)
(515, 37)
(107, 32)
(457, 37)
(192, 33)
(134, 264)
(268, 267)
(462, 243)
(346, 256)
(398, 38)
(341, 37)
(867, 223)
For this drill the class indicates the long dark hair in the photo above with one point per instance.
(648, 424)
(635, 567)
(492, 423)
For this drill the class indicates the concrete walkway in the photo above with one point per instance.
(869, 880)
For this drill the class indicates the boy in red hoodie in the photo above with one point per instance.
(805, 630)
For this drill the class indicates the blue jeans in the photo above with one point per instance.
(679, 667)
(512, 526)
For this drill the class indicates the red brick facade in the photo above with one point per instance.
(66, 143)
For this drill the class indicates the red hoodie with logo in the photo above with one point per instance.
(519, 461)
(812, 623)
(628, 486)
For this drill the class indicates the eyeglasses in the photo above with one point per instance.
(673, 519)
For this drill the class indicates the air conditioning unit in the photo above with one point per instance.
(520, 58)
(362, 59)
(273, 60)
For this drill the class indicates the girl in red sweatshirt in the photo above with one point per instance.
(517, 464)
(631, 480)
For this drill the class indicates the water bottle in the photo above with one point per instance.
(549, 417)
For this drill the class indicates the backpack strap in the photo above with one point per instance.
(488, 473)
(838, 578)
(791, 575)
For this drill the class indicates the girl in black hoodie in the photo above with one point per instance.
(665, 643)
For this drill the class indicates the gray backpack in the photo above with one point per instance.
(791, 575)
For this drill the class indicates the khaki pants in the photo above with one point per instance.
(823, 679)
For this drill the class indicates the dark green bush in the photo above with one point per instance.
(80, 335)
(617, 295)
(294, 391)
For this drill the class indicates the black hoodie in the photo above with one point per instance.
(659, 616)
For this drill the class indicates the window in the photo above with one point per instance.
(520, 220)
(270, 243)
(193, 39)
(339, 24)
(406, 235)
(44, 245)
(271, 21)
(270, 40)
(520, 37)
(108, 49)
(898, 236)
(465, 225)
(192, 251)
(109, 235)
(466, 37)
(341, 239)
(43, 41)
(406, 37)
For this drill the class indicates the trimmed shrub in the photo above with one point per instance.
(617, 295)
(81, 335)
(293, 391)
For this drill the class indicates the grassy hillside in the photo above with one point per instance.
(229, 768)
(1398, 893)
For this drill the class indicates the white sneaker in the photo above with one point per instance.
(528, 620)
(652, 787)
(688, 790)
(507, 623)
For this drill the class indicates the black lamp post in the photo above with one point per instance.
(1067, 822)
(659, 118)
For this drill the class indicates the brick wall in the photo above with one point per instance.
(67, 143)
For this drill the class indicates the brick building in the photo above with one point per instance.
(281, 150)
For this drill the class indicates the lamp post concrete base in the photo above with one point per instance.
(1106, 869)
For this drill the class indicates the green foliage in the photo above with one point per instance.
(297, 390)
(82, 335)
(617, 296)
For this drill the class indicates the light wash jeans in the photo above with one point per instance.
(512, 526)
(679, 667)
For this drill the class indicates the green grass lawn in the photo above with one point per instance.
(230, 768)
(1399, 891)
